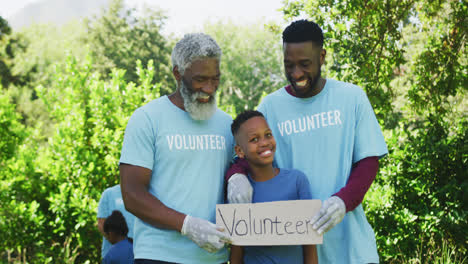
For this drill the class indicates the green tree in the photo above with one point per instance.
(251, 64)
(6, 76)
(43, 47)
(51, 191)
(5, 28)
(31, 56)
(12, 132)
(432, 160)
(81, 159)
(20, 219)
(119, 38)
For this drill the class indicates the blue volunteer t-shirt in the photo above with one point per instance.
(323, 136)
(111, 199)
(188, 160)
(120, 253)
(289, 184)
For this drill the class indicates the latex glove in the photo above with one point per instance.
(205, 234)
(239, 189)
(331, 213)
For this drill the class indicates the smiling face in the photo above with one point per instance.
(198, 86)
(302, 65)
(255, 142)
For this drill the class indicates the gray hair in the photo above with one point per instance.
(192, 47)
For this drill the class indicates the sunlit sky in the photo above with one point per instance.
(188, 15)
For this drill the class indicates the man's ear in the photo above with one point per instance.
(176, 73)
(239, 151)
(322, 56)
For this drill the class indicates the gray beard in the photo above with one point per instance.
(197, 110)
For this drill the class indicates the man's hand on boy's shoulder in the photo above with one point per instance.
(239, 189)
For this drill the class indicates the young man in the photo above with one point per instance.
(116, 231)
(255, 143)
(111, 199)
(175, 151)
(328, 130)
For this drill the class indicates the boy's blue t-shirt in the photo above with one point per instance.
(323, 136)
(111, 199)
(289, 184)
(120, 253)
(187, 159)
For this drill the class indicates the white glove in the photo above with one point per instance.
(331, 213)
(205, 234)
(239, 189)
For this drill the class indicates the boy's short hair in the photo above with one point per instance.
(241, 118)
(303, 30)
(116, 223)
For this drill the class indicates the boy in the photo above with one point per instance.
(255, 143)
(116, 230)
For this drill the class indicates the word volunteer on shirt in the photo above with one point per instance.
(310, 122)
(196, 142)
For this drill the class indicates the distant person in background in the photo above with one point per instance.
(116, 231)
(111, 199)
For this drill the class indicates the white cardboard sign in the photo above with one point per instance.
(271, 223)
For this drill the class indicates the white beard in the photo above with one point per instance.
(197, 110)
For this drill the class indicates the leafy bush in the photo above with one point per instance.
(52, 195)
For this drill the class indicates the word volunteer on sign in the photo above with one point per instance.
(264, 225)
(270, 223)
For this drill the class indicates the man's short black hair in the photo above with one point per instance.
(116, 223)
(302, 31)
(241, 118)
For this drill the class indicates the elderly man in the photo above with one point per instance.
(175, 152)
(327, 129)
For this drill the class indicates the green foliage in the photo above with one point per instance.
(52, 191)
(20, 216)
(11, 130)
(442, 67)
(431, 148)
(31, 56)
(82, 157)
(425, 178)
(42, 47)
(251, 64)
(5, 28)
(119, 38)
(6, 76)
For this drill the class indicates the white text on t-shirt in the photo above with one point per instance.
(310, 122)
(196, 142)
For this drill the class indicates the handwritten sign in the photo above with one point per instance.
(272, 223)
